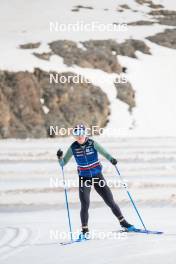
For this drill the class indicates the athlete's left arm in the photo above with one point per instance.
(102, 151)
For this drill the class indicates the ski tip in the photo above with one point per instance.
(155, 232)
(66, 243)
(144, 231)
(74, 241)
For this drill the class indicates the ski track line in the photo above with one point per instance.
(2, 235)
(14, 241)
(9, 236)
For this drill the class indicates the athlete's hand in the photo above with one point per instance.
(113, 161)
(59, 154)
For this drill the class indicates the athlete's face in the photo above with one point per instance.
(80, 139)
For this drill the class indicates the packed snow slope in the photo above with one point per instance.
(152, 76)
(30, 174)
(33, 214)
(26, 238)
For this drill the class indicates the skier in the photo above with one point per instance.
(85, 152)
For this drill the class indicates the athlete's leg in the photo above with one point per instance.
(104, 191)
(84, 196)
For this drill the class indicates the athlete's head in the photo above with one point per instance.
(79, 133)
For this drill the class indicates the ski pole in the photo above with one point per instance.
(67, 204)
(130, 197)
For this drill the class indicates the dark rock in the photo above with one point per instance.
(126, 94)
(30, 45)
(22, 114)
(162, 12)
(44, 55)
(21, 111)
(68, 50)
(149, 3)
(167, 21)
(141, 2)
(166, 38)
(91, 57)
(75, 10)
(141, 23)
(84, 7)
(127, 48)
(130, 46)
(98, 54)
(109, 46)
(72, 103)
(124, 6)
(165, 17)
(155, 6)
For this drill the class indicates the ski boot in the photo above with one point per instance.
(126, 226)
(84, 235)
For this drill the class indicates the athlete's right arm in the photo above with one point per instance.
(63, 161)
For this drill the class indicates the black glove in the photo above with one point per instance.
(113, 161)
(59, 154)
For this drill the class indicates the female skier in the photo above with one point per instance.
(85, 152)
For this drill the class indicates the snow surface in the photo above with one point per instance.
(33, 212)
(153, 77)
(27, 238)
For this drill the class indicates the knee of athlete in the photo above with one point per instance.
(85, 204)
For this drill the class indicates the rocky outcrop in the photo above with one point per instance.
(155, 6)
(141, 2)
(21, 113)
(75, 9)
(70, 103)
(141, 23)
(149, 3)
(164, 17)
(130, 46)
(162, 12)
(127, 48)
(84, 7)
(79, 7)
(98, 54)
(126, 94)
(30, 45)
(91, 57)
(166, 38)
(125, 6)
(24, 96)
(43, 56)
